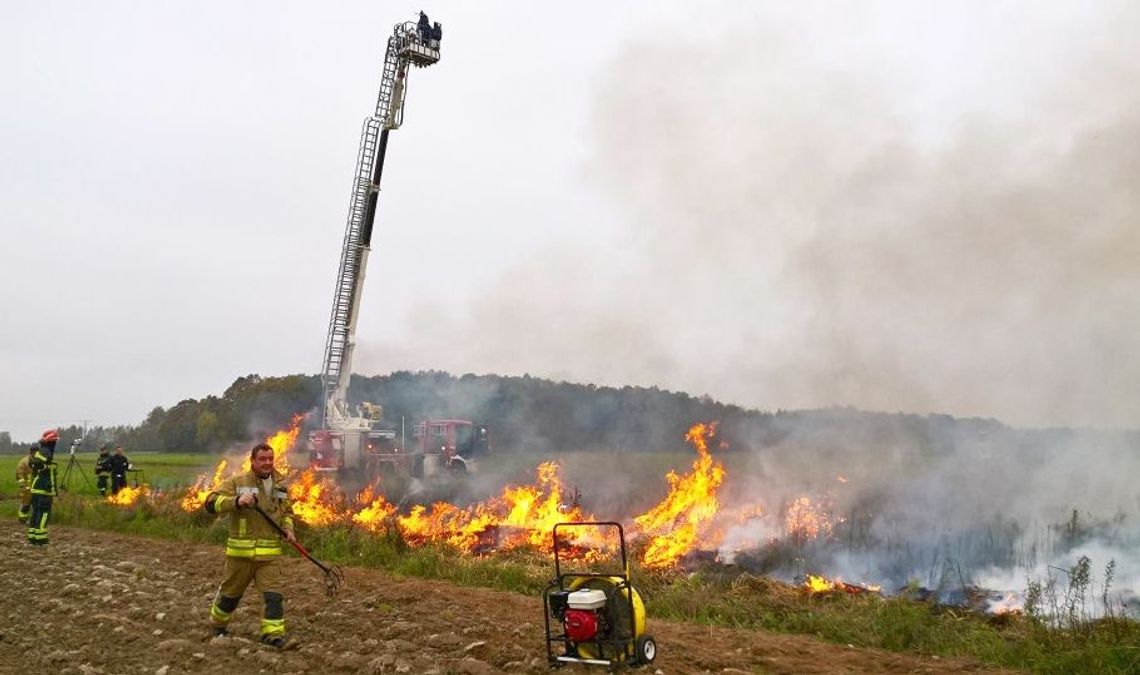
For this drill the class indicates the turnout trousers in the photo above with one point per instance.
(266, 578)
(25, 504)
(38, 519)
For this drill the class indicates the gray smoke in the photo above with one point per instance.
(795, 240)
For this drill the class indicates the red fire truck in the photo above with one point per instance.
(450, 444)
(437, 446)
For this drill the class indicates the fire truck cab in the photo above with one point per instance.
(333, 450)
(450, 444)
(437, 446)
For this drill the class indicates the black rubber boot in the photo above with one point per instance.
(278, 641)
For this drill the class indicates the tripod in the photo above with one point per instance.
(72, 463)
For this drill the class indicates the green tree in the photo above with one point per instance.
(206, 429)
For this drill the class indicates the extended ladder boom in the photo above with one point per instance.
(411, 43)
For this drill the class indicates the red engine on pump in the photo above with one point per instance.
(581, 624)
(582, 613)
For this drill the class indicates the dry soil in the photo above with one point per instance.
(95, 602)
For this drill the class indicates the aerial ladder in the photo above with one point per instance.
(344, 441)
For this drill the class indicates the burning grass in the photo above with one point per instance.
(520, 516)
(677, 547)
(709, 593)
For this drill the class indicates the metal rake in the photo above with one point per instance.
(334, 576)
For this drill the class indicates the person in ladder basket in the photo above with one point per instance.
(43, 491)
(253, 546)
(24, 481)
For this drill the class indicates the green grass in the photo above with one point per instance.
(161, 470)
(708, 596)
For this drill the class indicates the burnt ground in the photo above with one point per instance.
(97, 602)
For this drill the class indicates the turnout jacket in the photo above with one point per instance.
(118, 465)
(43, 472)
(103, 465)
(24, 472)
(251, 535)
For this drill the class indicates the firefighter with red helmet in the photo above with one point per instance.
(24, 482)
(42, 465)
(253, 546)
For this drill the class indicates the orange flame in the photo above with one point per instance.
(804, 521)
(816, 584)
(520, 516)
(128, 495)
(202, 487)
(524, 515)
(1010, 604)
(281, 442)
(819, 584)
(317, 499)
(377, 512)
(675, 524)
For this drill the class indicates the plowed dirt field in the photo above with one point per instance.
(95, 602)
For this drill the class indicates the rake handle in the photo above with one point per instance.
(318, 563)
(332, 577)
(281, 531)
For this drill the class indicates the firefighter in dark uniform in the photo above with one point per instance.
(253, 546)
(103, 470)
(119, 465)
(24, 482)
(43, 490)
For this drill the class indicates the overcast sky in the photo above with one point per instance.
(891, 205)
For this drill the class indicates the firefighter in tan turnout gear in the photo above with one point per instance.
(253, 546)
(24, 482)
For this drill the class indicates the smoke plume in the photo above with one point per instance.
(795, 239)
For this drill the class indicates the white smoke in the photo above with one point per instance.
(796, 239)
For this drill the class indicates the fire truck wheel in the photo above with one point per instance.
(646, 650)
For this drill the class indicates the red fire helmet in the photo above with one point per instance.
(50, 436)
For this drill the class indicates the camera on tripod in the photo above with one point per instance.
(73, 463)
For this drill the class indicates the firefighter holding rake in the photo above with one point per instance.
(257, 503)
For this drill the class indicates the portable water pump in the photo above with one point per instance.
(600, 617)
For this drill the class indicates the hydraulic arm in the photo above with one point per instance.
(411, 44)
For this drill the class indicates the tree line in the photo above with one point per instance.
(523, 414)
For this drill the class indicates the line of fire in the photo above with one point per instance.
(689, 528)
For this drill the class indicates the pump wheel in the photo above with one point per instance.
(646, 650)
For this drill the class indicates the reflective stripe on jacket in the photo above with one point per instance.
(251, 536)
(43, 474)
